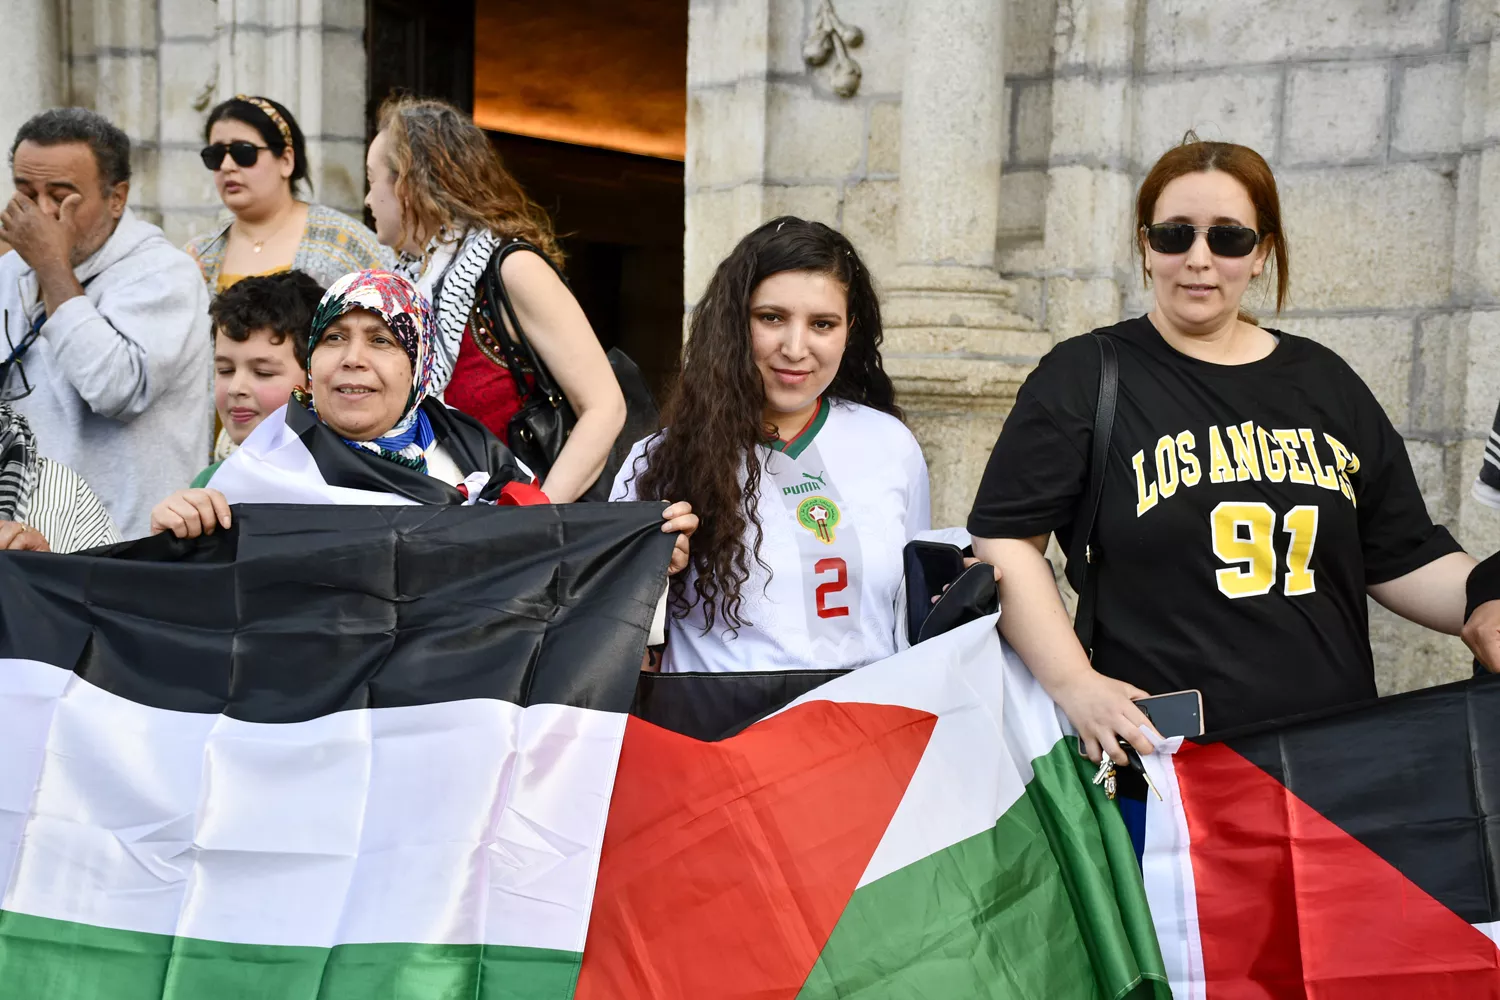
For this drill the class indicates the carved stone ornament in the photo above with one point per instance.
(831, 37)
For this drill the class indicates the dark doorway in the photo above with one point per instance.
(420, 49)
(586, 104)
(620, 219)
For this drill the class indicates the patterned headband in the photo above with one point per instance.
(271, 113)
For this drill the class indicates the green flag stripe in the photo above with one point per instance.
(40, 957)
(1046, 905)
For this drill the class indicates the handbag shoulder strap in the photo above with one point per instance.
(518, 352)
(1081, 551)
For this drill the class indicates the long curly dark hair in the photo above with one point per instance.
(714, 418)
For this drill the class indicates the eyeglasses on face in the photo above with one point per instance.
(241, 152)
(1223, 241)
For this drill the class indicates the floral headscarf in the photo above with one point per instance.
(409, 315)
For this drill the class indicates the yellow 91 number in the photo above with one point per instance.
(1244, 539)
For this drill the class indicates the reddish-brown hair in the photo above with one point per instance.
(448, 176)
(1244, 165)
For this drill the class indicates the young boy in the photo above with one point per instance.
(260, 351)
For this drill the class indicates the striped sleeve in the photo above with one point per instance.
(1487, 483)
(67, 512)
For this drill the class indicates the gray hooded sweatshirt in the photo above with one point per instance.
(121, 373)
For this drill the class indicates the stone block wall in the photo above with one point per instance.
(768, 136)
(1380, 121)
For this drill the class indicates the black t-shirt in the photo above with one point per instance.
(1245, 510)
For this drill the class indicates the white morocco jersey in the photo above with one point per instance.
(837, 505)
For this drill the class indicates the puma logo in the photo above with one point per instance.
(813, 484)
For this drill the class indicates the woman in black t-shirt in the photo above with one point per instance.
(1254, 492)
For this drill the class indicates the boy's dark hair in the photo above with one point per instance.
(283, 303)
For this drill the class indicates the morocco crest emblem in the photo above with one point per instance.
(819, 515)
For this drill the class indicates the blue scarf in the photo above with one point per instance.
(405, 444)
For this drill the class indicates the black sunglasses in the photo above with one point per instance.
(241, 152)
(1223, 241)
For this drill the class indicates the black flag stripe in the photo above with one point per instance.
(1415, 778)
(301, 611)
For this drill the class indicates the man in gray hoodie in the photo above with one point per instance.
(106, 342)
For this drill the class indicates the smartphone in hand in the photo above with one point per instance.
(1178, 713)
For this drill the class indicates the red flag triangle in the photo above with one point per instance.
(726, 865)
(1290, 905)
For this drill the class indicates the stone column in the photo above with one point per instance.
(310, 56)
(725, 173)
(31, 51)
(957, 352)
(951, 121)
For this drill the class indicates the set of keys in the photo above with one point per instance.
(1106, 776)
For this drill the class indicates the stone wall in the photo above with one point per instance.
(155, 67)
(1382, 121)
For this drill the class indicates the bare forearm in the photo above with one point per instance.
(1033, 619)
(1431, 595)
(583, 457)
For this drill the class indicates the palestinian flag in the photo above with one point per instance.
(1349, 856)
(383, 752)
(293, 457)
(917, 828)
(333, 752)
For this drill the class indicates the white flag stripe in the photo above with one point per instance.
(27, 699)
(1167, 868)
(274, 466)
(459, 823)
(993, 720)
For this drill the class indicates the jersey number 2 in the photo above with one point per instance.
(838, 583)
(1243, 535)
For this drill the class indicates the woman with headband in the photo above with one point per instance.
(259, 160)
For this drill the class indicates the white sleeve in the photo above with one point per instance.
(918, 494)
(634, 465)
(136, 344)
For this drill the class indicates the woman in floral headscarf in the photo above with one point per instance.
(366, 431)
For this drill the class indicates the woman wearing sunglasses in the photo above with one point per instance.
(259, 160)
(1254, 490)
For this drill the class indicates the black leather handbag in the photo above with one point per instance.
(540, 428)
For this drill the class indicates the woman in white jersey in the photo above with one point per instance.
(784, 435)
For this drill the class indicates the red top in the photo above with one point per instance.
(482, 386)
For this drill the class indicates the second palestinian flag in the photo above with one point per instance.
(1351, 856)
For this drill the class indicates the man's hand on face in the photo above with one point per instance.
(44, 242)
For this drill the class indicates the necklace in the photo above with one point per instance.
(257, 245)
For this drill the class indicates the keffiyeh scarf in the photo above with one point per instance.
(17, 465)
(449, 273)
(406, 312)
